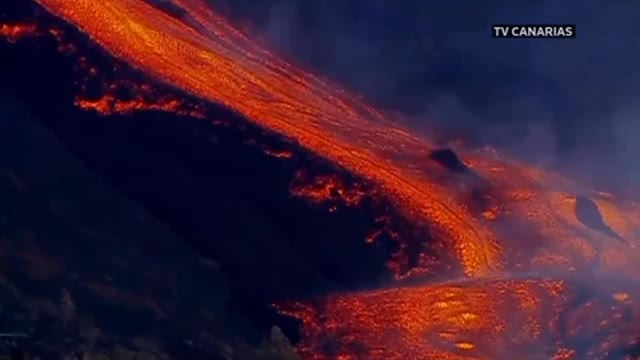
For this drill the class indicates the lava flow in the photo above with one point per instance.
(511, 318)
(528, 244)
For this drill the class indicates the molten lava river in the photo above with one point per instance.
(520, 263)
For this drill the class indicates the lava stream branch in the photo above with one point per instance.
(517, 318)
(208, 58)
(515, 244)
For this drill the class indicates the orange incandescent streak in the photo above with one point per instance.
(16, 32)
(516, 318)
(518, 233)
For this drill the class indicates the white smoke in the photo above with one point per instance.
(569, 100)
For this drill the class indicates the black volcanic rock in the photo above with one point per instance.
(589, 214)
(84, 270)
(476, 187)
(175, 220)
(449, 160)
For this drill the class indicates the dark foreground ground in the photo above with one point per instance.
(152, 233)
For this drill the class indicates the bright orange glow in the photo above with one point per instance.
(320, 189)
(207, 57)
(525, 318)
(282, 154)
(144, 98)
(16, 32)
(518, 236)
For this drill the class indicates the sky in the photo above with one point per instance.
(564, 102)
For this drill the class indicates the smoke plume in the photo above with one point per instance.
(563, 102)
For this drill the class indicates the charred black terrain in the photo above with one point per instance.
(224, 204)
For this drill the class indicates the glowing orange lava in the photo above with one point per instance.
(16, 32)
(517, 318)
(519, 236)
(320, 189)
(205, 56)
(143, 98)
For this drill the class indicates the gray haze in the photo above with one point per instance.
(565, 102)
(572, 104)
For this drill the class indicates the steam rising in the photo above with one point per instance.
(566, 103)
(541, 99)
(569, 104)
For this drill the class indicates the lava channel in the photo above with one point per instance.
(497, 217)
